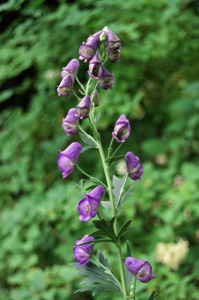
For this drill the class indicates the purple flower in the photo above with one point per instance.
(66, 159)
(70, 122)
(122, 129)
(95, 98)
(133, 166)
(111, 37)
(106, 79)
(83, 253)
(71, 68)
(66, 86)
(95, 67)
(84, 107)
(88, 49)
(140, 268)
(88, 206)
(114, 55)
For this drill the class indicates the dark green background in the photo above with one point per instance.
(156, 86)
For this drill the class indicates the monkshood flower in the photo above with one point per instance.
(84, 107)
(114, 55)
(95, 98)
(66, 159)
(88, 206)
(106, 79)
(71, 68)
(140, 268)
(83, 253)
(122, 129)
(66, 86)
(95, 67)
(88, 49)
(133, 166)
(111, 37)
(70, 122)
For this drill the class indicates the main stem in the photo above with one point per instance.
(114, 213)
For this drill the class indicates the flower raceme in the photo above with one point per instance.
(88, 206)
(70, 122)
(122, 129)
(66, 159)
(83, 253)
(140, 268)
(133, 166)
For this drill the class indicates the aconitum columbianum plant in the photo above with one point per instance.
(100, 47)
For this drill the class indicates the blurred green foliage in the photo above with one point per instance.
(156, 86)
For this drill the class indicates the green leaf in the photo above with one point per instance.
(128, 249)
(88, 139)
(115, 159)
(128, 194)
(117, 186)
(102, 288)
(97, 117)
(106, 204)
(154, 296)
(124, 228)
(85, 148)
(107, 230)
(81, 92)
(79, 183)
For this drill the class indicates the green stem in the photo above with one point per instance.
(80, 84)
(93, 179)
(88, 85)
(134, 288)
(78, 98)
(110, 147)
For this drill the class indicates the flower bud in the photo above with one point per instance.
(133, 166)
(71, 68)
(102, 37)
(83, 253)
(122, 129)
(84, 107)
(66, 159)
(66, 86)
(88, 49)
(88, 206)
(95, 98)
(140, 268)
(95, 67)
(70, 122)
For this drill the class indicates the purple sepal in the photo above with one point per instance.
(122, 129)
(95, 67)
(88, 206)
(84, 107)
(114, 55)
(87, 50)
(133, 166)
(111, 37)
(83, 253)
(140, 268)
(66, 86)
(66, 159)
(71, 68)
(106, 79)
(70, 122)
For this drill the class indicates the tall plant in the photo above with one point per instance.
(100, 47)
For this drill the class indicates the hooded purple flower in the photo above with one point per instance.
(88, 206)
(133, 166)
(106, 79)
(140, 268)
(111, 37)
(87, 50)
(95, 98)
(84, 107)
(70, 122)
(71, 68)
(66, 159)
(95, 67)
(114, 55)
(122, 129)
(66, 86)
(83, 253)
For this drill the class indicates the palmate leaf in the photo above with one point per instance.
(106, 228)
(124, 229)
(99, 278)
